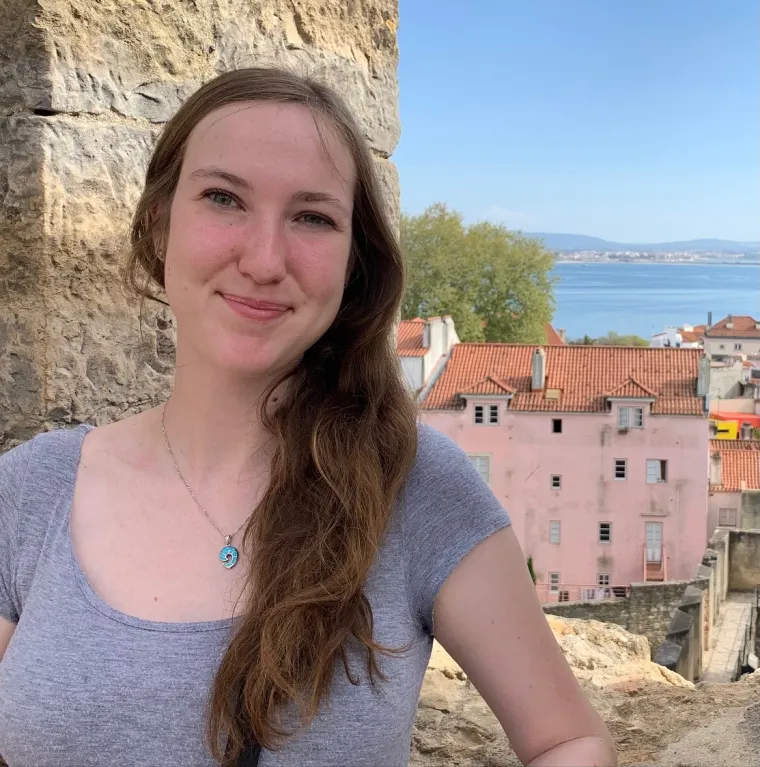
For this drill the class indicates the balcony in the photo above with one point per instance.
(564, 592)
(655, 562)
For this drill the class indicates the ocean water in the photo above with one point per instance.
(595, 298)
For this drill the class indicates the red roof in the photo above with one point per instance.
(582, 377)
(740, 461)
(743, 327)
(409, 340)
(694, 335)
(553, 338)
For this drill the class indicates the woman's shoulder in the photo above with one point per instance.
(444, 481)
(437, 457)
(47, 457)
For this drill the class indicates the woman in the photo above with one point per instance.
(272, 551)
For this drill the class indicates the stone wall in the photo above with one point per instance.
(647, 610)
(84, 88)
(607, 611)
(744, 560)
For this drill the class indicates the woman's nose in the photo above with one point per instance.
(263, 250)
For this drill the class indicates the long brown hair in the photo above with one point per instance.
(345, 438)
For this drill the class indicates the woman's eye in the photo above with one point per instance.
(221, 199)
(314, 219)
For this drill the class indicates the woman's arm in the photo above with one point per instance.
(488, 618)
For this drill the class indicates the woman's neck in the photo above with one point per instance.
(213, 425)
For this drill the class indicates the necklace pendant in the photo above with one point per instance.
(229, 554)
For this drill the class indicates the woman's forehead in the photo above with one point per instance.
(271, 135)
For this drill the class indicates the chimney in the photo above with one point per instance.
(730, 322)
(716, 468)
(426, 335)
(703, 376)
(709, 320)
(538, 370)
(562, 333)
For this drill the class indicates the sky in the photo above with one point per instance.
(631, 120)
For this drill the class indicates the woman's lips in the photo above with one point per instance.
(253, 309)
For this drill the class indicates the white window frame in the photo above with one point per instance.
(630, 417)
(555, 531)
(722, 513)
(476, 458)
(554, 582)
(737, 347)
(557, 477)
(483, 413)
(599, 532)
(655, 473)
(620, 463)
(603, 580)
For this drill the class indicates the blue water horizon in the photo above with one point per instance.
(595, 298)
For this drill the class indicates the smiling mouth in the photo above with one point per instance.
(254, 309)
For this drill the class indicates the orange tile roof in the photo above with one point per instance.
(631, 389)
(553, 338)
(740, 461)
(744, 327)
(584, 377)
(409, 341)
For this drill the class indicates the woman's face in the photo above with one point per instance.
(259, 237)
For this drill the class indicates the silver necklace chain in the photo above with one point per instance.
(226, 537)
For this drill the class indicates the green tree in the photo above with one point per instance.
(495, 284)
(611, 339)
(615, 339)
(531, 570)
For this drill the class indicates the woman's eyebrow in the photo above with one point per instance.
(305, 196)
(231, 178)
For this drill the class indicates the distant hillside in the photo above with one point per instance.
(569, 243)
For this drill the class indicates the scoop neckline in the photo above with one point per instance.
(91, 595)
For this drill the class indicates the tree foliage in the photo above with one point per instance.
(612, 339)
(496, 284)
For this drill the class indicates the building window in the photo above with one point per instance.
(621, 468)
(605, 532)
(556, 481)
(554, 531)
(489, 411)
(738, 347)
(657, 471)
(726, 517)
(556, 426)
(630, 417)
(722, 347)
(602, 579)
(483, 464)
(554, 582)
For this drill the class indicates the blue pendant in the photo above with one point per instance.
(228, 555)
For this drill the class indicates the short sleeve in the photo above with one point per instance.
(13, 467)
(446, 510)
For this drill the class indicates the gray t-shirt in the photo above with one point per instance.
(82, 684)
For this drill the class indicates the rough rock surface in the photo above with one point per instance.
(656, 718)
(84, 88)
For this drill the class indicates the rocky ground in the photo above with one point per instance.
(656, 717)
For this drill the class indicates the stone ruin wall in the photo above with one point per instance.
(84, 89)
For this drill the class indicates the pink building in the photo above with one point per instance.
(600, 454)
(734, 484)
